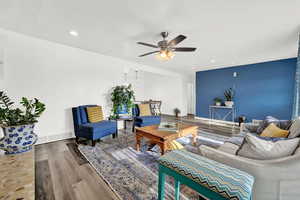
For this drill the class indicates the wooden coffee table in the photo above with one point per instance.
(162, 138)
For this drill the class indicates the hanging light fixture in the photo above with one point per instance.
(165, 55)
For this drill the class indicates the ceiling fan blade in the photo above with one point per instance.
(148, 45)
(184, 49)
(176, 40)
(146, 54)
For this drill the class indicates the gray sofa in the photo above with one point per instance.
(277, 179)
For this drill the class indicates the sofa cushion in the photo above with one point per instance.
(250, 127)
(236, 140)
(273, 131)
(295, 129)
(148, 119)
(95, 114)
(257, 148)
(229, 147)
(101, 126)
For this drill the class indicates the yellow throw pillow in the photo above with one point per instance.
(95, 114)
(273, 131)
(173, 145)
(144, 109)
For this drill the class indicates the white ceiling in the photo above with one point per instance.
(230, 32)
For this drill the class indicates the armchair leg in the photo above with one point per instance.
(77, 140)
(133, 127)
(93, 143)
(114, 135)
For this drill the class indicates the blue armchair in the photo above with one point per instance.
(141, 121)
(92, 131)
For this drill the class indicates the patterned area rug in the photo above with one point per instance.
(133, 175)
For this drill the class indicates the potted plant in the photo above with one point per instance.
(229, 95)
(122, 98)
(177, 112)
(218, 101)
(18, 124)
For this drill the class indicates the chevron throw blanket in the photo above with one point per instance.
(227, 181)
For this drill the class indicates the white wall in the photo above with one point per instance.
(2, 44)
(169, 90)
(63, 77)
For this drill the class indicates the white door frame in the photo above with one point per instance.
(191, 98)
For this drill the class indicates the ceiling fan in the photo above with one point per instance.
(167, 48)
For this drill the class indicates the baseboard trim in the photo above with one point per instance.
(216, 121)
(54, 138)
(169, 115)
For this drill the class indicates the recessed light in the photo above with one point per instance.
(74, 33)
(212, 61)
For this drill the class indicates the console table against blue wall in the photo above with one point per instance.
(261, 89)
(229, 112)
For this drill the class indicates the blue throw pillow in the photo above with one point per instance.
(273, 139)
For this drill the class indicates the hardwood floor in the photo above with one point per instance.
(62, 173)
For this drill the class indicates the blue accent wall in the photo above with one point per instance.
(262, 89)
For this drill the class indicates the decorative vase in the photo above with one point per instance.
(122, 112)
(122, 109)
(229, 103)
(218, 103)
(18, 139)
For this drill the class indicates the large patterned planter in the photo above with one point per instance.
(122, 110)
(18, 139)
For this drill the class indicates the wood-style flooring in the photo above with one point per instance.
(62, 173)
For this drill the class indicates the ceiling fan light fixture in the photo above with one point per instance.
(170, 54)
(165, 55)
(165, 49)
(159, 57)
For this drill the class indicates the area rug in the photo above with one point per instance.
(133, 175)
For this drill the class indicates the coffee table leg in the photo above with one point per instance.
(138, 142)
(162, 148)
(195, 137)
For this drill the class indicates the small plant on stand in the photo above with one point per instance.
(218, 101)
(122, 98)
(229, 96)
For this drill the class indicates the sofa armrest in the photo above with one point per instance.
(285, 124)
(250, 127)
(277, 169)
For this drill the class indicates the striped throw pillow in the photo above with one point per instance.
(95, 114)
(144, 109)
(173, 145)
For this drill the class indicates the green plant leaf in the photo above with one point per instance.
(10, 116)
